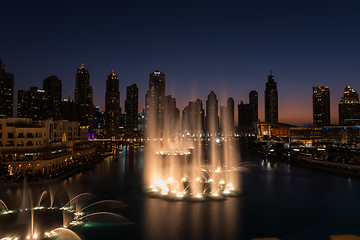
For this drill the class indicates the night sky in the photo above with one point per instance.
(227, 46)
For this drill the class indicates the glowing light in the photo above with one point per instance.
(183, 179)
(226, 191)
(164, 193)
(197, 179)
(198, 195)
(35, 236)
(152, 186)
(210, 180)
(215, 194)
(222, 182)
(28, 237)
(179, 194)
(155, 190)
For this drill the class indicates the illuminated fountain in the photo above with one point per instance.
(35, 221)
(176, 169)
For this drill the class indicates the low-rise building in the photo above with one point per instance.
(41, 147)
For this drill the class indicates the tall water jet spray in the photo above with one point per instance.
(175, 167)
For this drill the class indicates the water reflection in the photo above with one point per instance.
(288, 202)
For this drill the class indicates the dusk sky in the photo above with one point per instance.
(227, 46)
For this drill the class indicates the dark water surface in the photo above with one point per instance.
(283, 201)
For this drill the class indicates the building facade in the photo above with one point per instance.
(321, 106)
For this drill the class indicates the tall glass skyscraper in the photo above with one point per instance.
(271, 100)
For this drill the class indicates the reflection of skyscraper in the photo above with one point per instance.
(131, 108)
(154, 101)
(212, 114)
(349, 106)
(321, 106)
(6, 91)
(84, 97)
(271, 100)
(112, 105)
(53, 88)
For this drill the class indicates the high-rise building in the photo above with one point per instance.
(171, 116)
(84, 97)
(248, 112)
(193, 118)
(244, 114)
(321, 106)
(6, 91)
(271, 100)
(227, 116)
(99, 126)
(154, 106)
(53, 89)
(212, 114)
(68, 109)
(32, 104)
(112, 105)
(230, 113)
(132, 108)
(349, 106)
(253, 101)
(20, 103)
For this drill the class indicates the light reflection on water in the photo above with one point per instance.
(282, 201)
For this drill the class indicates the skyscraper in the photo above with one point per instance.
(230, 113)
(132, 108)
(53, 89)
(349, 106)
(84, 97)
(227, 116)
(193, 118)
(154, 106)
(253, 101)
(212, 114)
(6, 91)
(171, 116)
(271, 100)
(248, 113)
(112, 105)
(321, 106)
(31, 104)
(244, 114)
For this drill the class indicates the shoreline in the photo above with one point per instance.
(57, 177)
(344, 169)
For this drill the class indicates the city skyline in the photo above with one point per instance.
(228, 48)
(333, 119)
